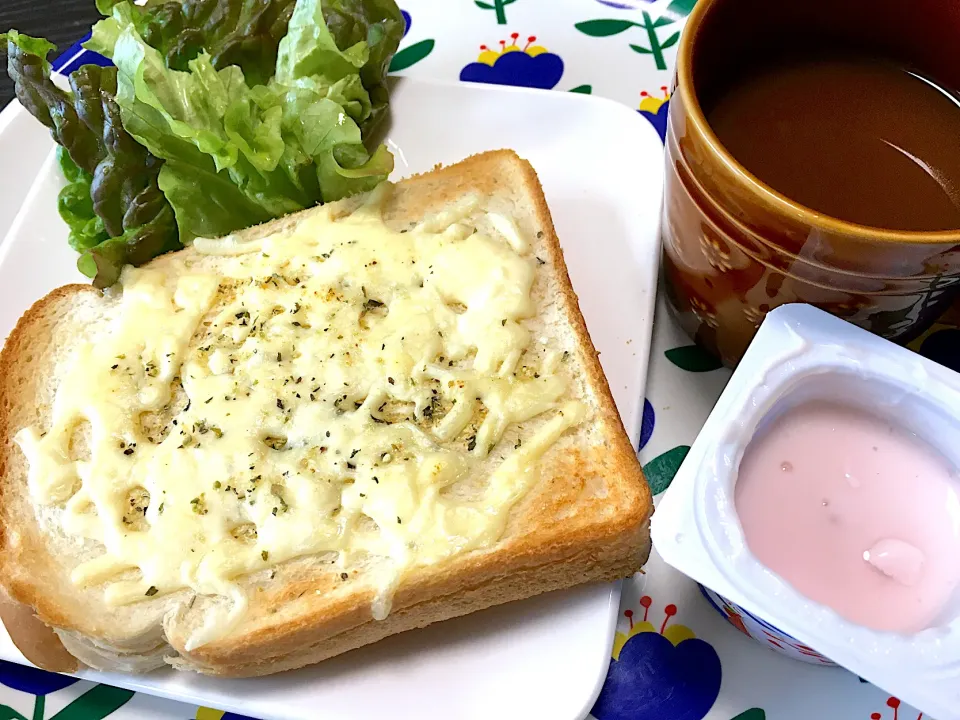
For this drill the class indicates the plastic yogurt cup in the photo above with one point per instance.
(763, 632)
(802, 355)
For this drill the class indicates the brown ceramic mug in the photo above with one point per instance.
(734, 248)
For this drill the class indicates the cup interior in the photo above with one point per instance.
(733, 35)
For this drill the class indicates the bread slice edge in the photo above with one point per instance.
(608, 548)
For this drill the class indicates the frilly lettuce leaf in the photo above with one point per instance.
(332, 39)
(112, 186)
(380, 25)
(219, 114)
(244, 33)
(236, 155)
(309, 49)
(76, 206)
(135, 246)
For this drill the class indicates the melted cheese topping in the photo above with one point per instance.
(331, 390)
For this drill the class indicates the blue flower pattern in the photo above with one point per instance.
(529, 65)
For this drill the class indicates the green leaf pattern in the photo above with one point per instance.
(411, 55)
(500, 6)
(663, 468)
(8, 713)
(752, 714)
(95, 704)
(604, 28)
(693, 358)
(654, 47)
(680, 8)
(670, 41)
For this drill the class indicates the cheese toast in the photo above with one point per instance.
(271, 448)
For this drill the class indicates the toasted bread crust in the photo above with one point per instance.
(20, 381)
(560, 535)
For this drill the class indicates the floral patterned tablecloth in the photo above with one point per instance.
(675, 657)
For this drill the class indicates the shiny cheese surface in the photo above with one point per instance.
(333, 389)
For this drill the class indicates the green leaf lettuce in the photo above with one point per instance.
(244, 33)
(218, 115)
(236, 155)
(112, 188)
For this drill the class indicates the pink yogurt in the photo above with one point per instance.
(854, 513)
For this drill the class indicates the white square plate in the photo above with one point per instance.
(600, 165)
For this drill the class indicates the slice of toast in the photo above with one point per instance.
(585, 518)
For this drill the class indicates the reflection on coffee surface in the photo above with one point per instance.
(855, 137)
